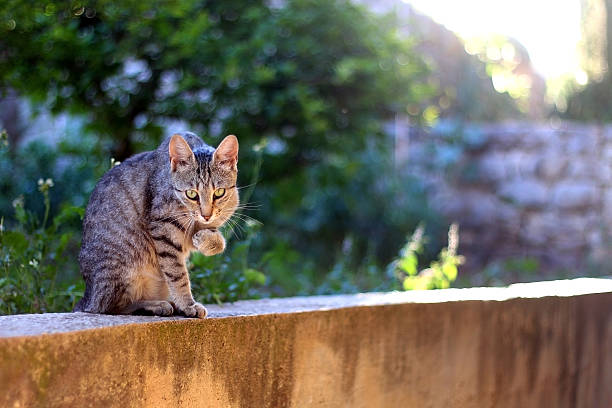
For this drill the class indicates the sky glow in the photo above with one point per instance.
(549, 29)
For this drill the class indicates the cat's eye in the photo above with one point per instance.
(191, 194)
(219, 192)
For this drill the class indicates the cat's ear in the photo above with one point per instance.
(180, 153)
(227, 152)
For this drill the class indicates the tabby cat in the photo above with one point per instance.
(144, 218)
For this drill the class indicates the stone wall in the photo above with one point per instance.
(520, 189)
(546, 344)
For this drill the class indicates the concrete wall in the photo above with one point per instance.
(539, 190)
(530, 345)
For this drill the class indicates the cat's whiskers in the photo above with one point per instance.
(182, 220)
(186, 219)
(246, 218)
(231, 225)
(175, 216)
(247, 186)
(227, 216)
(237, 227)
(235, 222)
(250, 206)
(191, 224)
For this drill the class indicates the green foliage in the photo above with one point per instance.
(440, 274)
(306, 86)
(316, 75)
(227, 277)
(74, 164)
(360, 198)
(502, 271)
(36, 275)
(316, 79)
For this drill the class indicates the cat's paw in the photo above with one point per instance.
(209, 242)
(162, 308)
(195, 310)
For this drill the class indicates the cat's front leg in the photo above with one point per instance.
(172, 265)
(209, 242)
(179, 287)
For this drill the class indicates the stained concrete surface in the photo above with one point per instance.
(35, 324)
(529, 345)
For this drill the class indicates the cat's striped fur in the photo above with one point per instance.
(140, 226)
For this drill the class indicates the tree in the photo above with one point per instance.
(312, 74)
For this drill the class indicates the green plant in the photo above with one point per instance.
(440, 274)
(348, 276)
(74, 163)
(226, 277)
(36, 275)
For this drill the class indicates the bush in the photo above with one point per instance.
(36, 274)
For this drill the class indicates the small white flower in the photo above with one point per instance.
(45, 185)
(18, 202)
(34, 263)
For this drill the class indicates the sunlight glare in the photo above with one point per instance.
(549, 29)
(581, 77)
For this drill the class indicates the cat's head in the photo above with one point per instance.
(205, 180)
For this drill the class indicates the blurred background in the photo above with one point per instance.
(384, 145)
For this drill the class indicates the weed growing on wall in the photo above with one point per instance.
(36, 273)
(441, 272)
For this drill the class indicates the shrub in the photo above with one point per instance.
(36, 275)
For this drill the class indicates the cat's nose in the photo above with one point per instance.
(206, 217)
